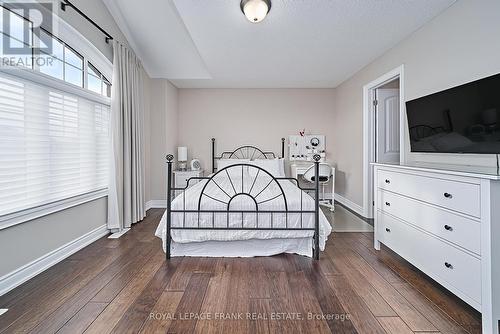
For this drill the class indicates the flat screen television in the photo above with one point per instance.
(463, 119)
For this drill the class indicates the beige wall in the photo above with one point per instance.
(23, 243)
(162, 135)
(458, 46)
(260, 117)
(394, 84)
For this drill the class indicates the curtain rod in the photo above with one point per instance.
(66, 3)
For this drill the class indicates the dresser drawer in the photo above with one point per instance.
(462, 231)
(458, 196)
(453, 268)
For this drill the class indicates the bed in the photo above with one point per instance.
(245, 208)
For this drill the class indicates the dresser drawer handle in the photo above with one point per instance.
(448, 195)
(387, 229)
(448, 228)
(387, 203)
(448, 265)
(387, 181)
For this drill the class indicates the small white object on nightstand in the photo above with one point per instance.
(181, 178)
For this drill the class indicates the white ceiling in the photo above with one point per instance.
(302, 43)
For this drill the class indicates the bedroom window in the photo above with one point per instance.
(53, 145)
(97, 82)
(54, 129)
(17, 27)
(64, 63)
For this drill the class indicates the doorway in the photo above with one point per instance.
(383, 111)
(386, 117)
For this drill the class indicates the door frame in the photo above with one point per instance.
(369, 132)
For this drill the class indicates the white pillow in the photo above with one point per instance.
(272, 166)
(223, 163)
(451, 142)
(282, 167)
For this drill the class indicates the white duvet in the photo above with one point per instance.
(268, 194)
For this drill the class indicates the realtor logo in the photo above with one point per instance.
(22, 24)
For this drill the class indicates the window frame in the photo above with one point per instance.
(4, 8)
(102, 79)
(89, 53)
(65, 64)
(86, 50)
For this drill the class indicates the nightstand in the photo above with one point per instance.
(181, 178)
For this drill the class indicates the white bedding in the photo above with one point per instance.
(243, 248)
(265, 193)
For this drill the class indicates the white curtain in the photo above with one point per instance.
(126, 187)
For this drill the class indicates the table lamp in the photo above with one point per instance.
(182, 157)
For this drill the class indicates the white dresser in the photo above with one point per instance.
(446, 222)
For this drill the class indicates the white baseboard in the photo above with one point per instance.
(30, 270)
(156, 203)
(350, 204)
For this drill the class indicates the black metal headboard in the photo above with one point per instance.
(245, 152)
(418, 132)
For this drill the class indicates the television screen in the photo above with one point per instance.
(463, 119)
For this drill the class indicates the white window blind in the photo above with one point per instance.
(53, 145)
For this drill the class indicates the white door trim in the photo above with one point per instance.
(368, 131)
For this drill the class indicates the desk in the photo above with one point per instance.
(299, 168)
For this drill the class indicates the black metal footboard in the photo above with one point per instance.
(231, 182)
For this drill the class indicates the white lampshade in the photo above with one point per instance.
(182, 154)
(255, 10)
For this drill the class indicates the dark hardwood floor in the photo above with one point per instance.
(126, 286)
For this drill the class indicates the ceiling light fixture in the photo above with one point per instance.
(255, 10)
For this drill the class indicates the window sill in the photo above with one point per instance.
(23, 216)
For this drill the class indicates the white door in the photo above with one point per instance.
(387, 125)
